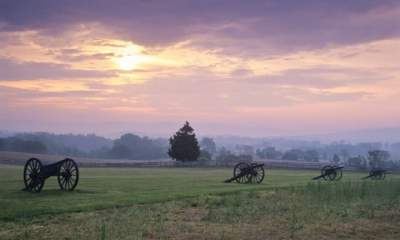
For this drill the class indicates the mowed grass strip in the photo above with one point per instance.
(101, 188)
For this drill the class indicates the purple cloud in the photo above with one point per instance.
(10, 71)
(287, 24)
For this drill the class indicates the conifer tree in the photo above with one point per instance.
(184, 145)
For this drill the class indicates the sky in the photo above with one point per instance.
(250, 68)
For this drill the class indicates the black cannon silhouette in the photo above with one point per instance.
(35, 174)
(330, 173)
(247, 173)
(376, 174)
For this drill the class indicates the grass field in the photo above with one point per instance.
(183, 203)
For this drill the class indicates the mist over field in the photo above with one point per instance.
(216, 150)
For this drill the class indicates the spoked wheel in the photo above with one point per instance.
(339, 174)
(256, 175)
(32, 175)
(377, 175)
(373, 175)
(323, 172)
(328, 173)
(68, 175)
(239, 170)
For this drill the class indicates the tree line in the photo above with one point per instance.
(184, 146)
(128, 146)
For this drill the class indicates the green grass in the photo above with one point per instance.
(182, 203)
(101, 188)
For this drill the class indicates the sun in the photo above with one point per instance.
(130, 57)
(129, 62)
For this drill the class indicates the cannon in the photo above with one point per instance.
(35, 174)
(376, 174)
(247, 173)
(330, 173)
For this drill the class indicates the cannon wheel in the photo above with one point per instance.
(328, 173)
(339, 174)
(323, 170)
(325, 173)
(257, 175)
(377, 175)
(383, 176)
(68, 175)
(372, 175)
(237, 170)
(32, 178)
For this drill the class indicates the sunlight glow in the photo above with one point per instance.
(130, 57)
(130, 62)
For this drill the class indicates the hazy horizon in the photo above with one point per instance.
(382, 135)
(254, 69)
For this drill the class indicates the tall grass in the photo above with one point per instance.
(316, 201)
(350, 191)
(298, 212)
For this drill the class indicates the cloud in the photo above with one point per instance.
(322, 77)
(212, 61)
(283, 25)
(13, 71)
(69, 56)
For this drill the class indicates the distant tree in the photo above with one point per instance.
(64, 143)
(344, 153)
(311, 156)
(336, 159)
(268, 153)
(245, 158)
(377, 158)
(225, 155)
(229, 157)
(205, 156)
(2, 144)
(245, 149)
(208, 145)
(293, 155)
(223, 151)
(357, 162)
(102, 152)
(120, 150)
(134, 147)
(29, 146)
(184, 145)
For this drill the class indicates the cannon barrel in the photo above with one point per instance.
(242, 174)
(317, 177)
(255, 165)
(337, 168)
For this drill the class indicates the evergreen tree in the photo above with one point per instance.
(184, 145)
